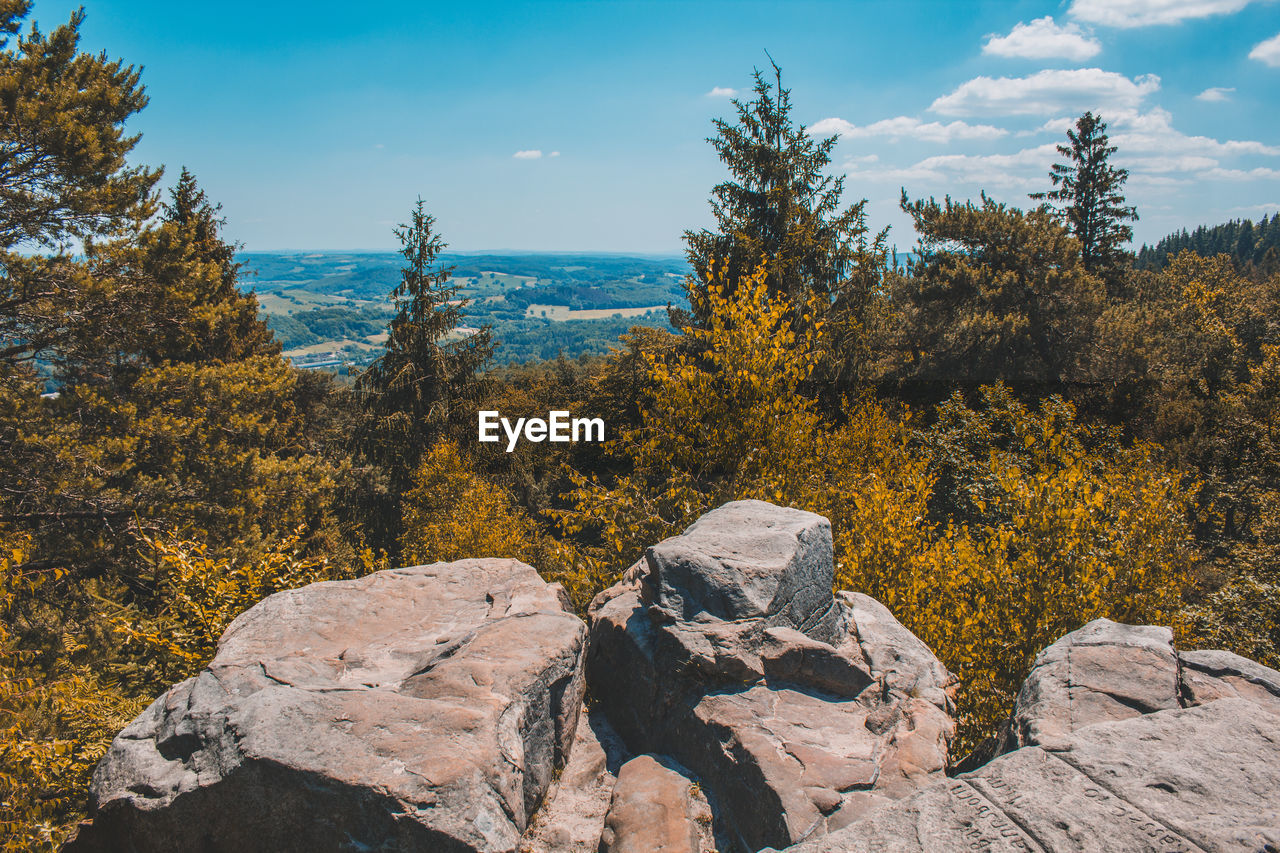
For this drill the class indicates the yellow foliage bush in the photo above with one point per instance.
(1060, 533)
(199, 592)
(56, 721)
(1044, 523)
(453, 513)
(722, 419)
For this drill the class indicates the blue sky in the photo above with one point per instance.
(317, 125)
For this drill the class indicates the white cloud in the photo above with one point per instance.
(1023, 169)
(908, 127)
(1267, 52)
(1153, 132)
(722, 92)
(1049, 91)
(1041, 39)
(554, 154)
(1145, 13)
(530, 154)
(1260, 173)
(1216, 93)
(1265, 207)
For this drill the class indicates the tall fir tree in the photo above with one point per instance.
(425, 380)
(1090, 196)
(779, 205)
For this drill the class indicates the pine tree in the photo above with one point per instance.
(63, 172)
(197, 269)
(423, 382)
(780, 206)
(1090, 192)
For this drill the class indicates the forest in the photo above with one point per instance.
(1024, 428)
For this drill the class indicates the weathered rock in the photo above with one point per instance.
(1110, 671)
(1104, 671)
(423, 708)
(749, 560)
(1195, 779)
(652, 810)
(1209, 675)
(799, 714)
(572, 817)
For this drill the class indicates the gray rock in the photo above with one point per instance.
(749, 560)
(422, 708)
(1110, 671)
(1103, 671)
(1195, 779)
(797, 719)
(1209, 675)
(652, 810)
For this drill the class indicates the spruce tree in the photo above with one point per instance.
(1090, 196)
(779, 205)
(425, 380)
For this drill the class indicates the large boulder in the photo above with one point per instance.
(1109, 671)
(1186, 779)
(425, 708)
(798, 710)
(1103, 671)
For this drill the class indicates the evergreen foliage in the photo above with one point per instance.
(994, 294)
(425, 381)
(1090, 196)
(780, 208)
(1254, 247)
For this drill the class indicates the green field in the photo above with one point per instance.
(331, 309)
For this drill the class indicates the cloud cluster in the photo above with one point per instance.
(1043, 39)
(1158, 156)
(722, 92)
(906, 127)
(529, 154)
(1047, 92)
(1146, 13)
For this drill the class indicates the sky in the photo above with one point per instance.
(582, 126)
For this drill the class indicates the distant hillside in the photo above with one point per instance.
(331, 308)
(1250, 244)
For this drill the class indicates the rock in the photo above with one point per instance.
(573, 814)
(652, 810)
(1109, 671)
(423, 708)
(1103, 671)
(798, 711)
(749, 560)
(1195, 779)
(1209, 675)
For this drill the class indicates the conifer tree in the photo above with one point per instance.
(779, 205)
(1090, 193)
(424, 380)
(62, 143)
(198, 271)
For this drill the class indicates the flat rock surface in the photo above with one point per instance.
(419, 708)
(792, 734)
(1197, 779)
